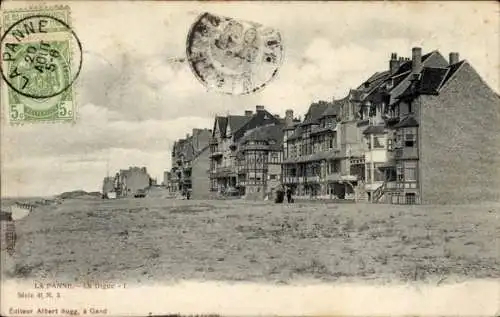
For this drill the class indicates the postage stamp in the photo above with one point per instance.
(41, 59)
(233, 56)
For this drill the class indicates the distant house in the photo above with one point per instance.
(108, 185)
(132, 181)
(189, 171)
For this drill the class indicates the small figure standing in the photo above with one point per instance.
(279, 196)
(289, 195)
(188, 194)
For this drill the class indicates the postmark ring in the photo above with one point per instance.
(70, 83)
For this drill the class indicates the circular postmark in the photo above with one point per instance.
(232, 56)
(37, 58)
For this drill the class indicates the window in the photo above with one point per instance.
(335, 167)
(399, 173)
(411, 198)
(273, 176)
(389, 145)
(410, 171)
(378, 142)
(409, 139)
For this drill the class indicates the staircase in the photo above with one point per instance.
(379, 193)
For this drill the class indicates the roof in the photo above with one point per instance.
(236, 122)
(259, 119)
(265, 133)
(333, 108)
(407, 65)
(452, 70)
(431, 79)
(401, 80)
(374, 129)
(315, 111)
(222, 123)
(407, 122)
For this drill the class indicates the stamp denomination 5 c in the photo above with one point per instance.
(41, 58)
(232, 56)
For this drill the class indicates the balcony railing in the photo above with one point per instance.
(312, 179)
(290, 180)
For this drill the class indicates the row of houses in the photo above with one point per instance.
(424, 130)
(127, 183)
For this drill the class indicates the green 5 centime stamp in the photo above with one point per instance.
(39, 65)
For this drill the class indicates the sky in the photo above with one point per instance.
(135, 97)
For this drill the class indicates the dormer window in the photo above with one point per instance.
(367, 84)
(390, 83)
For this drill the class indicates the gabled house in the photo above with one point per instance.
(377, 117)
(227, 133)
(446, 139)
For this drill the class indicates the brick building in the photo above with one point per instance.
(425, 126)
(391, 139)
(447, 136)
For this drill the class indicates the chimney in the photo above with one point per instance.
(416, 55)
(289, 117)
(259, 108)
(393, 63)
(187, 135)
(454, 57)
(248, 113)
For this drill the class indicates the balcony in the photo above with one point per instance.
(290, 180)
(312, 179)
